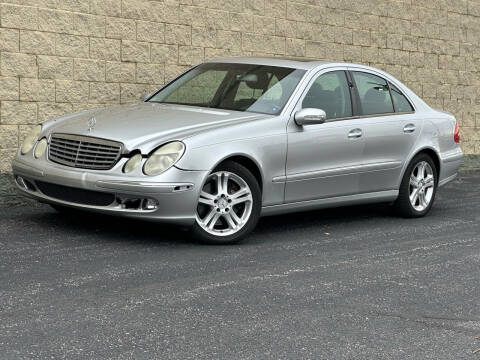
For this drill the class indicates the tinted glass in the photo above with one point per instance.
(241, 87)
(400, 101)
(374, 94)
(330, 92)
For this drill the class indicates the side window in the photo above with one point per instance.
(374, 94)
(400, 101)
(330, 92)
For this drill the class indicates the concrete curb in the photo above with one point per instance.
(10, 196)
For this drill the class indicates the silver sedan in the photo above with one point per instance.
(233, 139)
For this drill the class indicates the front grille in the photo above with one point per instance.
(83, 151)
(75, 195)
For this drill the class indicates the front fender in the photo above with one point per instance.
(267, 152)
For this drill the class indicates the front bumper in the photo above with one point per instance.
(175, 193)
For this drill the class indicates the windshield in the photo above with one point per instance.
(240, 87)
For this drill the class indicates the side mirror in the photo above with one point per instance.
(310, 116)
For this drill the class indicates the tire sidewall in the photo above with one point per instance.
(203, 236)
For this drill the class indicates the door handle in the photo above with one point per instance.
(355, 133)
(409, 128)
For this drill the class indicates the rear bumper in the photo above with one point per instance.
(172, 196)
(450, 164)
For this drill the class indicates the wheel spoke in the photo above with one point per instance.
(241, 196)
(209, 217)
(241, 192)
(219, 182)
(235, 217)
(242, 200)
(414, 196)
(421, 171)
(213, 221)
(429, 182)
(206, 198)
(413, 181)
(222, 182)
(231, 223)
(422, 201)
(225, 183)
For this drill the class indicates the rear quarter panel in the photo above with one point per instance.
(437, 135)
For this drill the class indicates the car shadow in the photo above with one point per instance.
(111, 228)
(331, 217)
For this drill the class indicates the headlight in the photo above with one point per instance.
(40, 148)
(164, 158)
(132, 163)
(31, 139)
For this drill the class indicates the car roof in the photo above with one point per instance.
(290, 62)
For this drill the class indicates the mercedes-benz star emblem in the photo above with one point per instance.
(91, 124)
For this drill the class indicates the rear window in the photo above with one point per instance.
(400, 101)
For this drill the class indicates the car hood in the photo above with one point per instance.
(148, 124)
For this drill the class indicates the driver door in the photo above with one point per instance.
(323, 160)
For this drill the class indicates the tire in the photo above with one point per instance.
(226, 214)
(418, 188)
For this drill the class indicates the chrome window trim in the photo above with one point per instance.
(387, 79)
(370, 116)
(324, 70)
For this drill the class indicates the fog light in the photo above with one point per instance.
(40, 148)
(21, 182)
(144, 204)
(149, 204)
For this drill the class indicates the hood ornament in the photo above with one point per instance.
(91, 124)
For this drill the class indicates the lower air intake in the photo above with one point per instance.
(75, 195)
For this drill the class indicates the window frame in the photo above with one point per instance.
(358, 109)
(405, 96)
(350, 90)
(283, 110)
(355, 97)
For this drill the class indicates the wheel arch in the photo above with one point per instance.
(246, 161)
(430, 151)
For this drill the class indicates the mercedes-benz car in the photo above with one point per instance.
(234, 139)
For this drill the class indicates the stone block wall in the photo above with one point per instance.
(59, 56)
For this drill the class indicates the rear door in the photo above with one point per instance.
(390, 130)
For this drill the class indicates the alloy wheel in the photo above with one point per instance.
(225, 204)
(422, 186)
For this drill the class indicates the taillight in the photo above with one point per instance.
(456, 133)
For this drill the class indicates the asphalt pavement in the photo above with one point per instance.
(346, 283)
